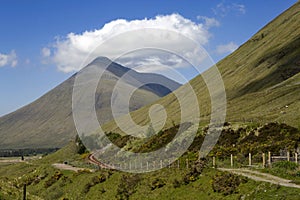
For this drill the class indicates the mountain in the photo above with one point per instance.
(48, 121)
(261, 79)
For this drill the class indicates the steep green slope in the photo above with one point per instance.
(261, 78)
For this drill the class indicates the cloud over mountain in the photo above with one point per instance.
(69, 53)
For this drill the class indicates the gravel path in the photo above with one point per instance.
(259, 176)
(68, 167)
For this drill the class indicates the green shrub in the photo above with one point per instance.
(176, 183)
(195, 171)
(226, 183)
(94, 181)
(127, 186)
(53, 179)
(157, 183)
(285, 165)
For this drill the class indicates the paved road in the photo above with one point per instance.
(258, 176)
(93, 160)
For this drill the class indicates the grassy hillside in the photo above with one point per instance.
(261, 79)
(199, 181)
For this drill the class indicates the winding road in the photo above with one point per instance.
(93, 160)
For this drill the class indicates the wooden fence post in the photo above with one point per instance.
(231, 160)
(187, 163)
(214, 162)
(264, 160)
(296, 158)
(250, 159)
(269, 159)
(24, 192)
(178, 164)
(288, 155)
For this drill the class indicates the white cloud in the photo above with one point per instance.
(69, 52)
(226, 48)
(223, 9)
(8, 59)
(209, 22)
(46, 52)
(240, 8)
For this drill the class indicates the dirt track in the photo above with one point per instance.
(68, 167)
(258, 176)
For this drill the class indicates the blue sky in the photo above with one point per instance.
(29, 50)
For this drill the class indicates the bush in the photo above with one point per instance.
(80, 147)
(127, 186)
(195, 171)
(176, 183)
(94, 181)
(285, 165)
(157, 183)
(226, 183)
(53, 179)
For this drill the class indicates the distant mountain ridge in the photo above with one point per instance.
(159, 81)
(48, 121)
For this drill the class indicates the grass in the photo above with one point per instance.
(46, 182)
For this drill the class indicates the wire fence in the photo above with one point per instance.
(258, 160)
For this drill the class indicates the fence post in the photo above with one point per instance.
(296, 158)
(250, 159)
(288, 155)
(231, 160)
(161, 164)
(24, 192)
(269, 159)
(264, 160)
(187, 163)
(178, 164)
(214, 162)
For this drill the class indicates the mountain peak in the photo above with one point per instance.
(101, 59)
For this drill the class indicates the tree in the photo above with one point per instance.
(81, 149)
